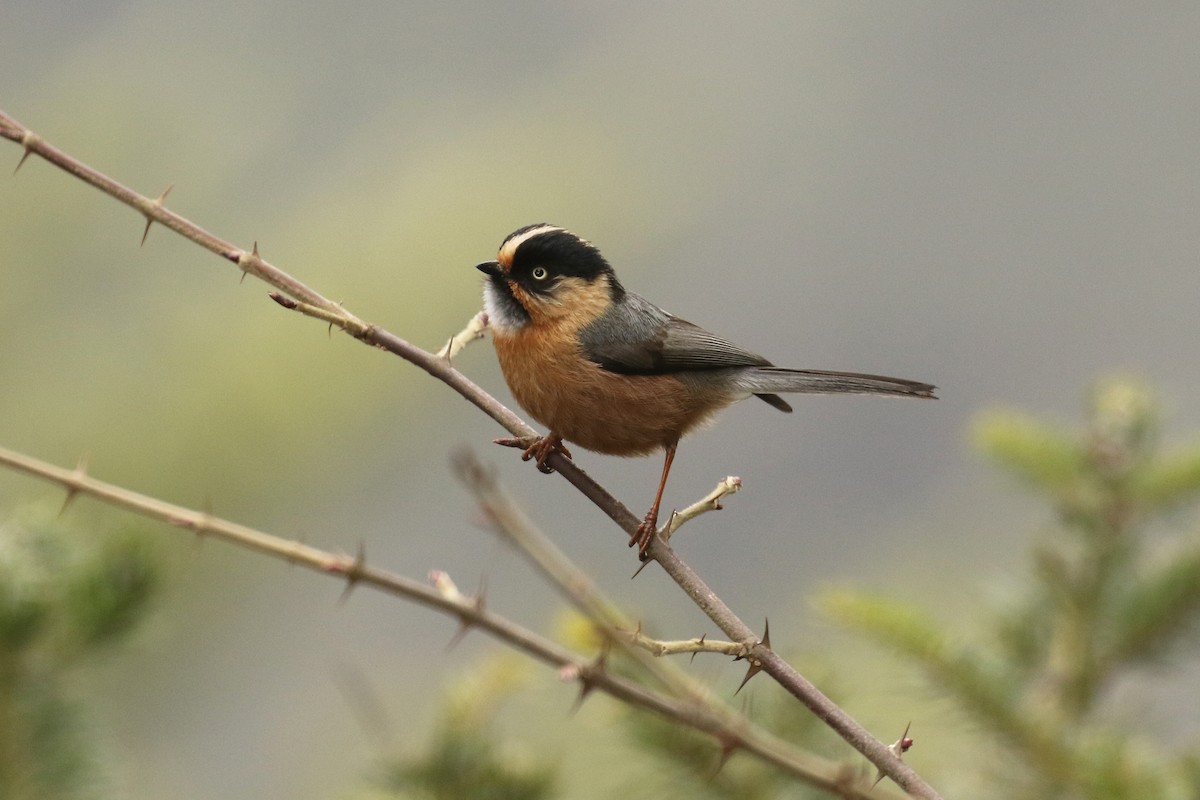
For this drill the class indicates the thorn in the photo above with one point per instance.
(254, 252)
(149, 219)
(585, 688)
(464, 625)
(354, 571)
(449, 345)
(481, 593)
(699, 642)
(29, 140)
(72, 493)
(641, 567)
(755, 668)
(898, 748)
(242, 279)
(729, 746)
(78, 475)
(24, 156)
(446, 586)
(755, 663)
(587, 683)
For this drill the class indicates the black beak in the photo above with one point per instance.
(491, 268)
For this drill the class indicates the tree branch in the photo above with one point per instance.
(735, 733)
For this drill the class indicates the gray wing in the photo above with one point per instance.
(637, 337)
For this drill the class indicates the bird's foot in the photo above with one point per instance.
(644, 534)
(539, 448)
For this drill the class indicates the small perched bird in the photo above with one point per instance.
(610, 371)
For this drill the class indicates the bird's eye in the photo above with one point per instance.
(539, 273)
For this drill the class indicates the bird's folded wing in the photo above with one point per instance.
(638, 338)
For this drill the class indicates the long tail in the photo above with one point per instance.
(765, 381)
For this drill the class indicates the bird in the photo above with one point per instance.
(606, 369)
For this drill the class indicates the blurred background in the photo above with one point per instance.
(998, 199)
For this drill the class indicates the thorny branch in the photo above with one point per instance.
(441, 594)
(722, 616)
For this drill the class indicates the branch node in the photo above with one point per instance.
(587, 675)
(700, 644)
(354, 570)
(458, 342)
(29, 140)
(156, 203)
(76, 481)
(474, 605)
(898, 748)
(749, 655)
(248, 261)
(202, 524)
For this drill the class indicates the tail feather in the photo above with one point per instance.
(765, 381)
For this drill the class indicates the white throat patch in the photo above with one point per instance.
(501, 314)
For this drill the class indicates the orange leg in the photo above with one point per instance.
(645, 532)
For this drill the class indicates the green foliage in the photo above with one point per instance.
(1104, 598)
(465, 757)
(64, 595)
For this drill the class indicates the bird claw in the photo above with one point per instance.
(644, 535)
(539, 448)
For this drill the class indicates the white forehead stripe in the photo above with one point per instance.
(509, 248)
